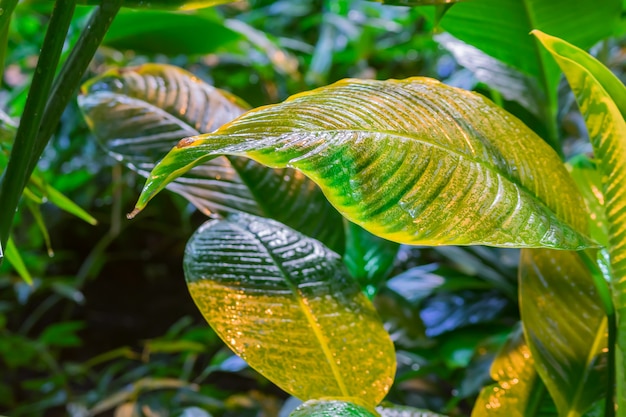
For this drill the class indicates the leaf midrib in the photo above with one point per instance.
(308, 314)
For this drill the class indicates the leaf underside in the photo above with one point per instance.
(139, 113)
(413, 161)
(286, 304)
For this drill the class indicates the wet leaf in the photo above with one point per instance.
(412, 161)
(331, 408)
(566, 327)
(602, 100)
(392, 410)
(286, 304)
(518, 391)
(159, 104)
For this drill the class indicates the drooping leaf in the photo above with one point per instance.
(413, 161)
(331, 408)
(500, 29)
(518, 391)
(510, 82)
(139, 113)
(166, 4)
(286, 304)
(152, 31)
(12, 254)
(602, 101)
(393, 410)
(368, 257)
(565, 326)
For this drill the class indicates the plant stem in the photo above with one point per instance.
(73, 70)
(16, 175)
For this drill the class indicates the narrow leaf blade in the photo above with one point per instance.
(413, 161)
(12, 254)
(286, 304)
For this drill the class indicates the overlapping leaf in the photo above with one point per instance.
(331, 408)
(286, 304)
(140, 113)
(413, 161)
(518, 391)
(602, 101)
(166, 4)
(565, 326)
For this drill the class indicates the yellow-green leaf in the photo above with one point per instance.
(413, 161)
(602, 101)
(12, 254)
(287, 305)
(518, 391)
(166, 4)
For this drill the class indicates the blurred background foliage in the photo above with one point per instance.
(108, 328)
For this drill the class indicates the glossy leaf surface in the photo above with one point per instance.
(518, 391)
(166, 4)
(156, 32)
(602, 101)
(286, 304)
(331, 408)
(413, 161)
(565, 326)
(139, 113)
(392, 410)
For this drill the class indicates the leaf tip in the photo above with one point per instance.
(133, 213)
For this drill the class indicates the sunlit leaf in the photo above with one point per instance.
(602, 101)
(286, 304)
(518, 391)
(166, 4)
(152, 31)
(12, 255)
(413, 161)
(565, 326)
(139, 113)
(331, 408)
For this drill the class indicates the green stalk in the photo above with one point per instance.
(70, 76)
(16, 175)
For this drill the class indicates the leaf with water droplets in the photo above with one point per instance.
(331, 408)
(518, 391)
(413, 161)
(139, 113)
(287, 305)
(392, 410)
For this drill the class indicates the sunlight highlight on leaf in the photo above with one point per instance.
(286, 304)
(413, 161)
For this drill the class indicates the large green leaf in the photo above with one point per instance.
(413, 161)
(392, 410)
(518, 391)
(565, 326)
(287, 305)
(602, 101)
(166, 4)
(139, 113)
(331, 408)
(153, 31)
(500, 28)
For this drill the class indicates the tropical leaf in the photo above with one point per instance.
(331, 408)
(567, 348)
(166, 4)
(153, 31)
(286, 304)
(139, 113)
(518, 391)
(413, 161)
(602, 101)
(500, 29)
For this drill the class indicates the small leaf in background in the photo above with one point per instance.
(368, 257)
(331, 408)
(12, 255)
(160, 104)
(286, 304)
(601, 97)
(151, 31)
(62, 334)
(567, 347)
(413, 161)
(518, 391)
